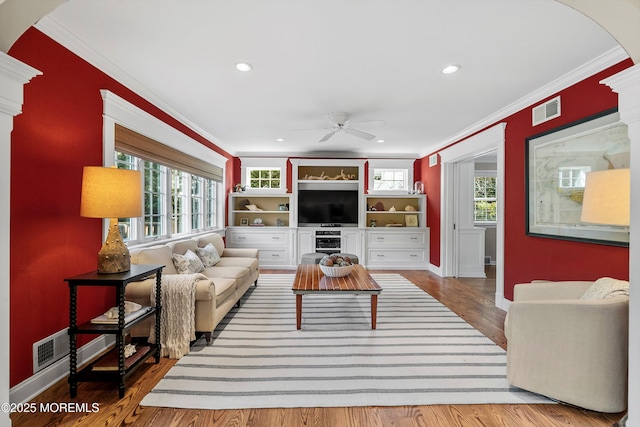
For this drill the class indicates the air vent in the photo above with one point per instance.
(50, 349)
(433, 160)
(546, 111)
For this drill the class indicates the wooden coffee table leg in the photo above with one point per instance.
(374, 310)
(298, 311)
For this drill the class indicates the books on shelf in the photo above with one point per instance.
(104, 320)
(110, 361)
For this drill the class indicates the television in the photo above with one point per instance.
(327, 207)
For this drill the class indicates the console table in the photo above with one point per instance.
(112, 366)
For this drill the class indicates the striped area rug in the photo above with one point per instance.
(420, 354)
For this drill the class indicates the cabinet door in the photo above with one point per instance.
(352, 242)
(305, 242)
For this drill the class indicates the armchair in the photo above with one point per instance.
(569, 349)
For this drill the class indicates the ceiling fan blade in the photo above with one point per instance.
(309, 129)
(327, 136)
(359, 134)
(369, 123)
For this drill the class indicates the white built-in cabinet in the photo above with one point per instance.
(391, 231)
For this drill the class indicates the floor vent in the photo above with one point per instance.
(546, 111)
(50, 350)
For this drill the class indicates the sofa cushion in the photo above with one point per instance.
(606, 287)
(189, 263)
(225, 288)
(214, 238)
(236, 273)
(209, 255)
(251, 263)
(182, 246)
(155, 255)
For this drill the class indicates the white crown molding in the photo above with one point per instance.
(13, 76)
(54, 29)
(600, 63)
(330, 154)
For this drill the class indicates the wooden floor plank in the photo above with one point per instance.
(471, 299)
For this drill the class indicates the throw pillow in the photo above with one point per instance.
(209, 255)
(606, 287)
(189, 263)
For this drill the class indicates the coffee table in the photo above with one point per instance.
(311, 280)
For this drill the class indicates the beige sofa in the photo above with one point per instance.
(229, 279)
(569, 349)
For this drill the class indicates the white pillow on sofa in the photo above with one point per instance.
(606, 287)
(189, 263)
(209, 255)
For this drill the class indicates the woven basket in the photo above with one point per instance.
(336, 271)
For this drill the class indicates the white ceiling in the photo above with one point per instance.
(373, 59)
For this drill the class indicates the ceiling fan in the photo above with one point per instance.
(339, 122)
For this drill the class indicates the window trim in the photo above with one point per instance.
(116, 110)
(247, 163)
(489, 174)
(407, 164)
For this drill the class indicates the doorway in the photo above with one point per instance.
(488, 141)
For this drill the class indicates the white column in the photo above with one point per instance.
(627, 85)
(13, 76)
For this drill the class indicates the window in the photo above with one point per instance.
(485, 201)
(390, 176)
(390, 179)
(264, 175)
(178, 202)
(573, 176)
(175, 202)
(263, 178)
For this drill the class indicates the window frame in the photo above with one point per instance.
(390, 164)
(485, 174)
(118, 111)
(249, 164)
(166, 190)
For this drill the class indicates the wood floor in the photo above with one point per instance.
(471, 300)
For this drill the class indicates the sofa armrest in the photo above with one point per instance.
(140, 292)
(586, 341)
(240, 252)
(544, 291)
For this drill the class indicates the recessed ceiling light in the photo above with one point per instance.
(380, 140)
(244, 66)
(450, 69)
(279, 139)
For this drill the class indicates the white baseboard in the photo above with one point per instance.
(436, 270)
(40, 381)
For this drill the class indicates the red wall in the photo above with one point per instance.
(59, 132)
(527, 258)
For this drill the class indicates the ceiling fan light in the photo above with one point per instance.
(450, 69)
(244, 66)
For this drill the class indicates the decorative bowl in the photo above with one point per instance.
(333, 271)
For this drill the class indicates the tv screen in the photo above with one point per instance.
(317, 207)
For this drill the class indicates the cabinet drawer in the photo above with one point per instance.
(378, 238)
(274, 257)
(275, 237)
(397, 258)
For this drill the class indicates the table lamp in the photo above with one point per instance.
(111, 193)
(607, 196)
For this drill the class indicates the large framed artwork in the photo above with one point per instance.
(556, 166)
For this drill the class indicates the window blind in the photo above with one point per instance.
(131, 142)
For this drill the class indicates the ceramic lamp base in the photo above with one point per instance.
(114, 255)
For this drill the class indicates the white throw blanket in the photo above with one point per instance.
(177, 320)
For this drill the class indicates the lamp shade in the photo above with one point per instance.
(111, 193)
(607, 196)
